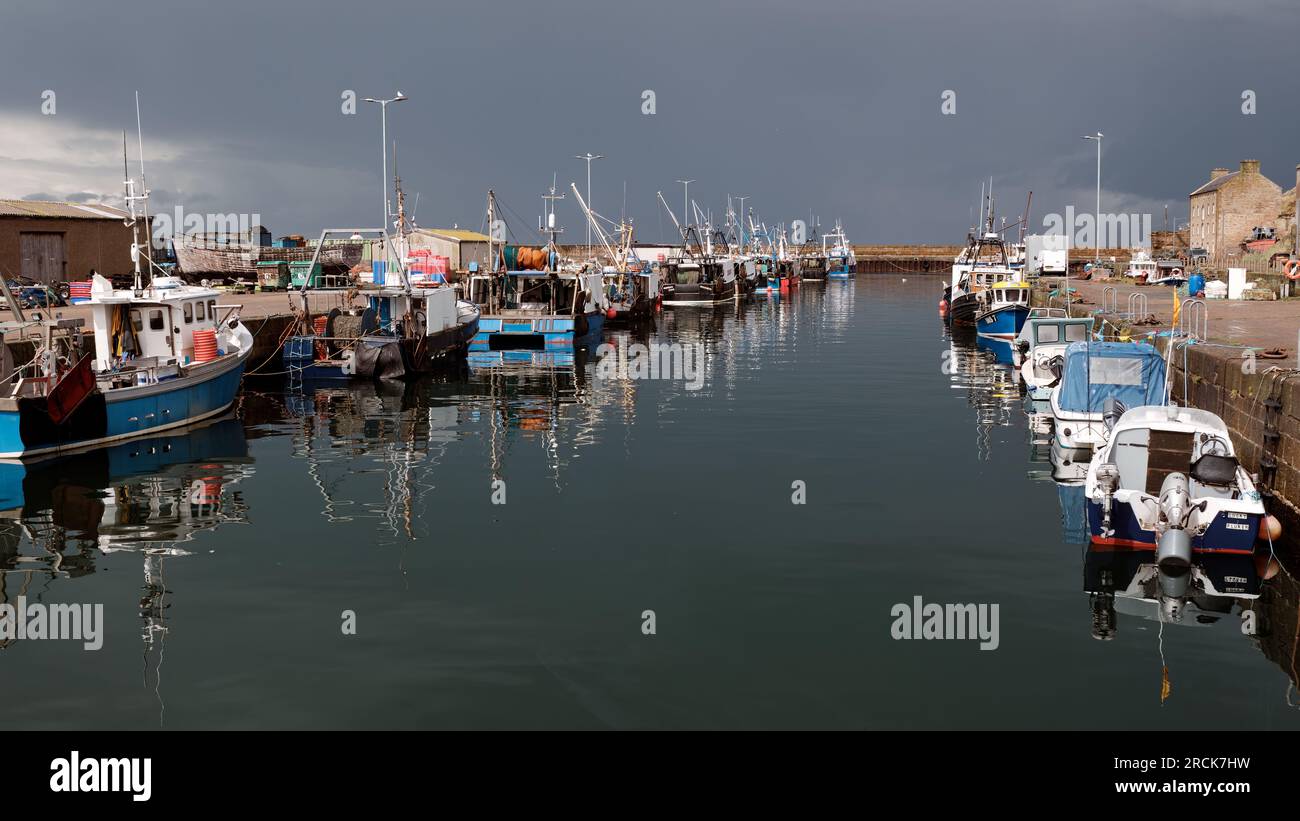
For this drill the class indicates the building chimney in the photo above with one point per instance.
(1249, 167)
(1218, 172)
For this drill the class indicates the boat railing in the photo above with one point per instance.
(142, 371)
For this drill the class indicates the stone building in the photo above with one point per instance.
(1226, 209)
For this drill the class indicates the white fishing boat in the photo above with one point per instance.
(1040, 351)
(1142, 268)
(631, 284)
(391, 328)
(165, 355)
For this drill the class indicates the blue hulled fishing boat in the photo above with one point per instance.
(165, 355)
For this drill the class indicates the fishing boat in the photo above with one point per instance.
(390, 329)
(165, 355)
(811, 264)
(1167, 478)
(981, 265)
(1100, 379)
(701, 280)
(1040, 351)
(531, 299)
(1143, 268)
(698, 276)
(1002, 309)
(841, 259)
(393, 328)
(631, 285)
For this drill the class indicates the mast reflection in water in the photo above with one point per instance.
(61, 519)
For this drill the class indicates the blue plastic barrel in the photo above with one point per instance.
(1195, 284)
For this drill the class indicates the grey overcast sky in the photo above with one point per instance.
(833, 107)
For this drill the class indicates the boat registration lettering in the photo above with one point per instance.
(1232, 515)
(1233, 526)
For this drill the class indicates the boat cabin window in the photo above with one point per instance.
(1049, 334)
(200, 305)
(137, 321)
(189, 312)
(156, 321)
(212, 309)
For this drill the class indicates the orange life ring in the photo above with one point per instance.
(1292, 269)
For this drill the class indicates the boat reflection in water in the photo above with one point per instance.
(1129, 581)
(60, 518)
(977, 367)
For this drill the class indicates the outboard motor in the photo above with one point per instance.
(1174, 552)
(1111, 411)
(1108, 481)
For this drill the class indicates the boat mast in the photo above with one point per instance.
(139, 133)
(131, 220)
(492, 257)
(551, 228)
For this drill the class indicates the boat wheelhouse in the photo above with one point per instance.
(701, 280)
(1003, 309)
(1097, 378)
(1040, 351)
(1143, 268)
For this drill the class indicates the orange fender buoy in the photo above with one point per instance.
(1270, 528)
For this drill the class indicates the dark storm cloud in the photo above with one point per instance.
(833, 107)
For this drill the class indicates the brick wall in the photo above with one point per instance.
(1217, 382)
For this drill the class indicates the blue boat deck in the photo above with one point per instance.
(539, 333)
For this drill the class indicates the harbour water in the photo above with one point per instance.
(229, 560)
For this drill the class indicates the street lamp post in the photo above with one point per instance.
(383, 116)
(1096, 243)
(589, 157)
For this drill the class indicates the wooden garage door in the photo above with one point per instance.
(43, 258)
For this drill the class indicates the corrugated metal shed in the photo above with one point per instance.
(58, 210)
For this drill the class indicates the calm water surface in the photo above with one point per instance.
(225, 558)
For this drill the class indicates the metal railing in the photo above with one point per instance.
(1194, 320)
